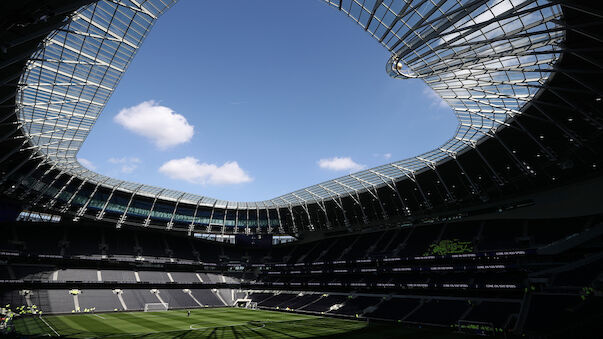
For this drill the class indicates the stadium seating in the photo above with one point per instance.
(439, 311)
(31, 272)
(177, 298)
(356, 305)
(185, 277)
(259, 297)
(83, 243)
(105, 300)
(299, 301)
(324, 303)
(55, 301)
(207, 297)
(115, 275)
(426, 310)
(581, 275)
(276, 300)
(497, 313)
(100, 300)
(13, 298)
(395, 308)
(407, 242)
(151, 276)
(77, 275)
(499, 235)
(136, 299)
(548, 311)
(431, 274)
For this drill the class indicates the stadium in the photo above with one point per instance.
(497, 232)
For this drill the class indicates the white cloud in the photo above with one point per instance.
(128, 164)
(340, 164)
(445, 37)
(494, 9)
(436, 100)
(193, 171)
(385, 156)
(160, 124)
(86, 163)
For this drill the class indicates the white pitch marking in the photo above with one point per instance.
(47, 324)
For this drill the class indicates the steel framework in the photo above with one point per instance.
(489, 60)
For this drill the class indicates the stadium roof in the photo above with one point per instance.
(523, 78)
(486, 58)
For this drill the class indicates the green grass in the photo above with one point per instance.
(202, 323)
(219, 323)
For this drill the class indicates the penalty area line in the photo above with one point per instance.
(96, 315)
(47, 324)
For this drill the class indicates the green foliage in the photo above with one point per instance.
(453, 246)
(585, 292)
(477, 327)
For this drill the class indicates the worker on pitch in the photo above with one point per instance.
(188, 313)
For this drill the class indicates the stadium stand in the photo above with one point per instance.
(498, 313)
(186, 276)
(438, 311)
(56, 301)
(31, 272)
(413, 241)
(276, 300)
(356, 305)
(395, 308)
(136, 299)
(77, 275)
(160, 277)
(297, 302)
(207, 297)
(114, 275)
(549, 312)
(325, 303)
(420, 310)
(99, 300)
(503, 225)
(178, 298)
(12, 298)
(259, 297)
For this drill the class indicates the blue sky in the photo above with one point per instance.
(248, 100)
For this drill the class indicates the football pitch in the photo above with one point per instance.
(218, 323)
(202, 323)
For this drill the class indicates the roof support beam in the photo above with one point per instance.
(124, 215)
